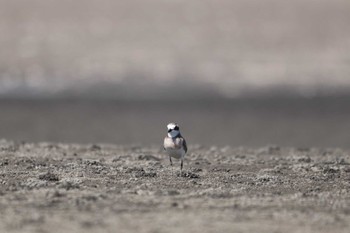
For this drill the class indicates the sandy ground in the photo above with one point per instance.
(49, 187)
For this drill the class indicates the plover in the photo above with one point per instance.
(174, 144)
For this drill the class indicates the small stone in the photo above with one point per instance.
(174, 204)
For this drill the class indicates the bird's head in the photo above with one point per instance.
(173, 130)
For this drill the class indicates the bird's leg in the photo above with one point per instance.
(182, 162)
(171, 164)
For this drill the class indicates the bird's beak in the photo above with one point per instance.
(169, 130)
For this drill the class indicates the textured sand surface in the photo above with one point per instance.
(108, 188)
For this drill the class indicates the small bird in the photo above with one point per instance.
(174, 144)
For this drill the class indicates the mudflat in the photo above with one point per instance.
(53, 187)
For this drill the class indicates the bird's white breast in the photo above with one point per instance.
(174, 147)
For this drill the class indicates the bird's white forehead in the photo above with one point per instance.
(171, 125)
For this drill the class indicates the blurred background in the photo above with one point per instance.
(230, 72)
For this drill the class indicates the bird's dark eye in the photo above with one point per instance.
(176, 128)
